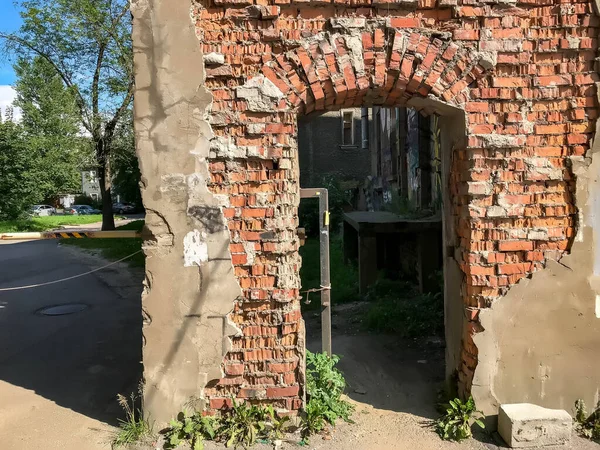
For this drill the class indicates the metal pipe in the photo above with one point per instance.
(70, 235)
(323, 197)
(364, 122)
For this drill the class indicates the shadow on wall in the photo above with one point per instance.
(79, 361)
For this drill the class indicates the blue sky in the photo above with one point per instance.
(9, 21)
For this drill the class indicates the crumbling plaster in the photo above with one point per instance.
(190, 285)
(541, 341)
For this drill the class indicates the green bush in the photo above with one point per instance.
(398, 307)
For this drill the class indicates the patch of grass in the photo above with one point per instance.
(344, 278)
(115, 249)
(46, 223)
(135, 427)
(399, 308)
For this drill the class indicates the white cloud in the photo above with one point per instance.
(7, 97)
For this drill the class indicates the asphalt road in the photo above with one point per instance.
(59, 376)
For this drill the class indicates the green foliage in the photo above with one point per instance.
(51, 126)
(135, 427)
(455, 424)
(339, 200)
(399, 308)
(587, 425)
(46, 223)
(313, 420)
(124, 161)
(241, 425)
(87, 43)
(324, 387)
(18, 186)
(344, 278)
(194, 430)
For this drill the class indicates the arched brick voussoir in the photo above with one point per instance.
(375, 66)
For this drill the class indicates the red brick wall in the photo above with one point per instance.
(524, 76)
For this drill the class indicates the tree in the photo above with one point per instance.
(88, 44)
(17, 184)
(51, 126)
(125, 163)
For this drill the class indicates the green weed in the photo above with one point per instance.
(587, 425)
(194, 430)
(135, 427)
(324, 387)
(241, 425)
(397, 307)
(455, 424)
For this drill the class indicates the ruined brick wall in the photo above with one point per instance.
(521, 72)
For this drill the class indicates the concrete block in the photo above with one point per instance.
(523, 425)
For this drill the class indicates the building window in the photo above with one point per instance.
(347, 128)
(94, 196)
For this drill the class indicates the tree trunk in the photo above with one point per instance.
(105, 181)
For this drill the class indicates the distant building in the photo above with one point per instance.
(90, 185)
(333, 143)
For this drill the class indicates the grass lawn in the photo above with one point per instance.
(46, 223)
(344, 278)
(115, 249)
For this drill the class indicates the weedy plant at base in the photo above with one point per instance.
(194, 430)
(455, 424)
(244, 424)
(241, 425)
(587, 425)
(135, 427)
(324, 387)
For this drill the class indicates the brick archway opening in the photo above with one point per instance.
(358, 63)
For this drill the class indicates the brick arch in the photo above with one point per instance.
(363, 64)
(511, 195)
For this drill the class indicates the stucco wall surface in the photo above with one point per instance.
(190, 284)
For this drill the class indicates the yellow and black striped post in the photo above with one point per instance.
(119, 234)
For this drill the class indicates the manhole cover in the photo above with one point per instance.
(62, 310)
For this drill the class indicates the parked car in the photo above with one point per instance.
(43, 210)
(82, 210)
(123, 208)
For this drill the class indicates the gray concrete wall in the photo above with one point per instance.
(190, 284)
(541, 342)
(321, 152)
